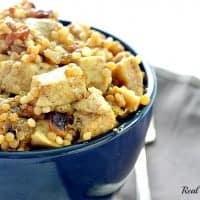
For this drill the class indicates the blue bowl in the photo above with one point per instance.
(82, 171)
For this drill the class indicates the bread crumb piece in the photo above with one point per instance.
(87, 136)
(59, 140)
(31, 122)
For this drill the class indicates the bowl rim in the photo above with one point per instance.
(128, 123)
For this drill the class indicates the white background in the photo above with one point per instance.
(165, 32)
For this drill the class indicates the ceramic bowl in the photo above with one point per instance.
(82, 171)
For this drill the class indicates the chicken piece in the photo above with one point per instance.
(128, 73)
(95, 124)
(39, 137)
(15, 76)
(96, 74)
(59, 87)
(94, 103)
(93, 114)
(43, 26)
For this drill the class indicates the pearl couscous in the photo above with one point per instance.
(60, 85)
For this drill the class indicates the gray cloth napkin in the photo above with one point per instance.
(174, 159)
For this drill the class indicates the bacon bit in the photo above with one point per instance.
(2, 36)
(21, 33)
(42, 14)
(11, 11)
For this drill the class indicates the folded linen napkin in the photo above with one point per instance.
(174, 159)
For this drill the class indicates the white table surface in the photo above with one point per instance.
(166, 33)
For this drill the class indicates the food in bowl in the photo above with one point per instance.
(61, 84)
